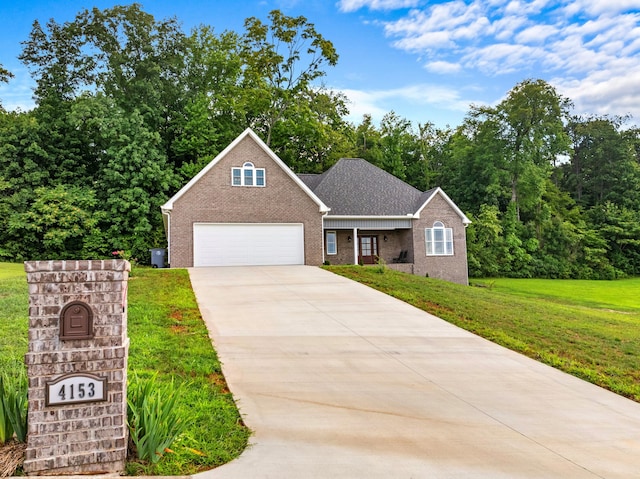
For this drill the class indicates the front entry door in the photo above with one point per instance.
(368, 249)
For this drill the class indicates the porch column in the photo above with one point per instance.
(355, 245)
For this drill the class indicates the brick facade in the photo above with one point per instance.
(451, 268)
(82, 438)
(212, 199)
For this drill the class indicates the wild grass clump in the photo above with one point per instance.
(13, 406)
(381, 266)
(154, 422)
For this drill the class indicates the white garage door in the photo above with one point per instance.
(247, 244)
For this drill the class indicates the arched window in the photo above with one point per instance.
(439, 240)
(248, 175)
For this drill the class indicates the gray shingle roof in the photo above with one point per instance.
(356, 187)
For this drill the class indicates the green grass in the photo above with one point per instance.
(623, 295)
(167, 336)
(590, 329)
(14, 314)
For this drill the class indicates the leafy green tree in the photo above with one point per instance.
(393, 146)
(59, 224)
(121, 51)
(58, 61)
(603, 166)
(427, 168)
(214, 112)
(134, 181)
(484, 242)
(471, 167)
(367, 141)
(21, 171)
(632, 136)
(5, 76)
(282, 60)
(398, 144)
(140, 63)
(620, 228)
(569, 247)
(313, 135)
(530, 125)
(23, 161)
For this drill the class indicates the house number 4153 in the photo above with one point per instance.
(75, 388)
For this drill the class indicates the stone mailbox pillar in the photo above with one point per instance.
(77, 367)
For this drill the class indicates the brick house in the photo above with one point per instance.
(246, 207)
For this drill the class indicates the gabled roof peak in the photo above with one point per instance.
(168, 206)
(356, 187)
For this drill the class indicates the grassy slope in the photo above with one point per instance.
(168, 336)
(596, 338)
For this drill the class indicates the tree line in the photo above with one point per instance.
(129, 108)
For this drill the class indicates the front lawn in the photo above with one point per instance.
(590, 329)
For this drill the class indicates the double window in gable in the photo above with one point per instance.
(248, 175)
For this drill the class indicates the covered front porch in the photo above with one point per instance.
(370, 241)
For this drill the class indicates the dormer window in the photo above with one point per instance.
(248, 175)
(439, 240)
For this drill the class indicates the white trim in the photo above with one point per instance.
(372, 217)
(355, 246)
(248, 132)
(438, 190)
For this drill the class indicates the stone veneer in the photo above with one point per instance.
(85, 438)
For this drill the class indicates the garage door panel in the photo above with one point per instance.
(247, 244)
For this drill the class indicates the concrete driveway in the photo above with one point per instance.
(340, 381)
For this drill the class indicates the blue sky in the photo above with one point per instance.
(426, 60)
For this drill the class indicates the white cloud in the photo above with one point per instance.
(525, 7)
(599, 7)
(426, 41)
(364, 103)
(502, 58)
(379, 102)
(505, 28)
(442, 26)
(602, 94)
(536, 34)
(353, 5)
(590, 47)
(443, 67)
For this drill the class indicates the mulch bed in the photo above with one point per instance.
(11, 457)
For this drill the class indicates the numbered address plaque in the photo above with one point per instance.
(75, 388)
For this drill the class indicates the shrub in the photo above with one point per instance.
(152, 417)
(381, 265)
